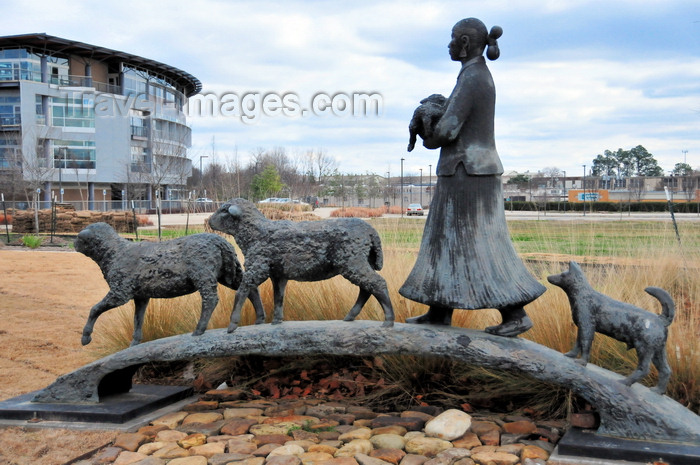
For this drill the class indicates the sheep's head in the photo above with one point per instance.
(232, 214)
(94, 239)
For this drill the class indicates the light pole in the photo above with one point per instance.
(62, 151)
(421, 187)
(402, 160)
(388, 189)
(584, 190)
(430, 184)
(201, 173)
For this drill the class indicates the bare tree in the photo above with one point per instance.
(11, 179)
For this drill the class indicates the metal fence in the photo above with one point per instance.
(141, 206)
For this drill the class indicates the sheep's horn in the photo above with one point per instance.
(235, 211)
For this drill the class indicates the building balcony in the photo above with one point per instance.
(10, 122)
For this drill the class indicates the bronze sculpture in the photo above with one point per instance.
(303, 251)
(595, 312)
(145, 270)
(466, 259)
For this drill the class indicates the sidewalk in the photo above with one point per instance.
(198, 219)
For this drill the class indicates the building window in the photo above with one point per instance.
(75, 154)
(19, 64)
(9, 111)
(72, 112)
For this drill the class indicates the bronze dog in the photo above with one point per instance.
(643, 330)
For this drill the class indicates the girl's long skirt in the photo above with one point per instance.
(466, 258)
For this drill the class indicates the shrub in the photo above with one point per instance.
(143, 220)
(32, 242)
(364, 212)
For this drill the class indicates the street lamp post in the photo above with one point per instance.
(388, 190)
(62, 166)
(402, 160)
(584, 190)
(421, 187)
(430, 184)
(201, 173)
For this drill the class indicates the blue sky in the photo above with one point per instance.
(574, 78)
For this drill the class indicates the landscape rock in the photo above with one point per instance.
(413, 459)
(520, 427)
(283, 460)
(534, 452)
(393, 429)
(393, 456)
(196, 439)
(410, 423)
(128, 458)
(130, 441)
(356, 446)
(325, 448)
(150, 447)
(241, 447)
(364, 459)
(287, 449)
(497, 458)
(357, 433)
(171, 420)
(449, 425)
(223, 459)
(429, 447)
(237, 426)
(468, 441)
(193, 460)
(248, 413)
(209, 449)
(312, 458)
(204, 417)
(171, 451)
(388, 441)
(170, 435)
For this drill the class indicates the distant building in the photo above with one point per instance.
(105, 126)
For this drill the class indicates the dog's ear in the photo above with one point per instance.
(573, 266)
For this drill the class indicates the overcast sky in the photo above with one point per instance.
(575, 77)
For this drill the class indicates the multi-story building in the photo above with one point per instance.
(85, 124)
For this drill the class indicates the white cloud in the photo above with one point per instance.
(574, 78)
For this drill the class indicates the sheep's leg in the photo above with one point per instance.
(110, 301)
(254, 298)
(210, 298)
(241, 295)
(371, 282)
(362, 299)
(140, 306)
(278, 286)
(249, 285)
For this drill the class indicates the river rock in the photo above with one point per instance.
(429, 447)
(387, 441)
(287, 449)
(357, 433)
(450, 424)
(208, 450)
(356, 446)
(497, 458)
(128, 458)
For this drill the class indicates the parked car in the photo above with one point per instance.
(414, 209)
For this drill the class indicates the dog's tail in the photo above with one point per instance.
(668, 308)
